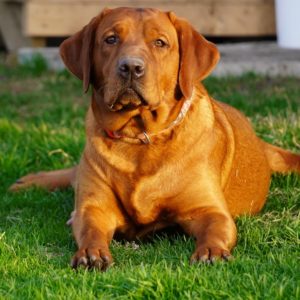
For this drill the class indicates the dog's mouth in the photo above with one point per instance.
(128, 99)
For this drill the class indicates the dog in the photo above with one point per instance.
(159, 150)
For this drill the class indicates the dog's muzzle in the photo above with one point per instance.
(129, 99)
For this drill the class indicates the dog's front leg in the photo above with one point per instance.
(215, 233)
(96, 218)
(93, 233)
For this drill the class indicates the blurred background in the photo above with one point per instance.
(31, 26)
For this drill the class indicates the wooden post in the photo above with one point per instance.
(11, 25)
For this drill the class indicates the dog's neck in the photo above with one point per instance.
(140, 125)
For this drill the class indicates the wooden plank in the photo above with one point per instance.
(215, 17)
(236, 19)
(10, 26)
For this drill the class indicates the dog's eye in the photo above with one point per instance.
(111, 40)
(160, 43)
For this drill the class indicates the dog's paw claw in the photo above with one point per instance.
(91, 259)
(209, 255)
(82, 261)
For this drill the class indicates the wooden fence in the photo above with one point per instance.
(31, 22)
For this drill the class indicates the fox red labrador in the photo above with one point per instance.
(159, 150)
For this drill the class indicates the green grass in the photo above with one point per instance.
(42, 127)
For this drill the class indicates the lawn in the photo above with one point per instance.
(42, 127)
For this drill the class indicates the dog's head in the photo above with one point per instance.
(138, 57)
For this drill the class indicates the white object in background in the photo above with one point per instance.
(288, 23)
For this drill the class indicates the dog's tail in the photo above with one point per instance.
(48, 180)
(280, 160)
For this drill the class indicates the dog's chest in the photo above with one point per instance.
(147, 197)
(152, 182)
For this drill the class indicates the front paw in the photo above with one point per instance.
(207, 254)
(92, 258)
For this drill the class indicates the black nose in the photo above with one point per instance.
(131, 67)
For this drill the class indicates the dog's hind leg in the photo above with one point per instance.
(48, 180)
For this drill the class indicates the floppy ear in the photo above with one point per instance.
(76, 51)
(198, 56)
